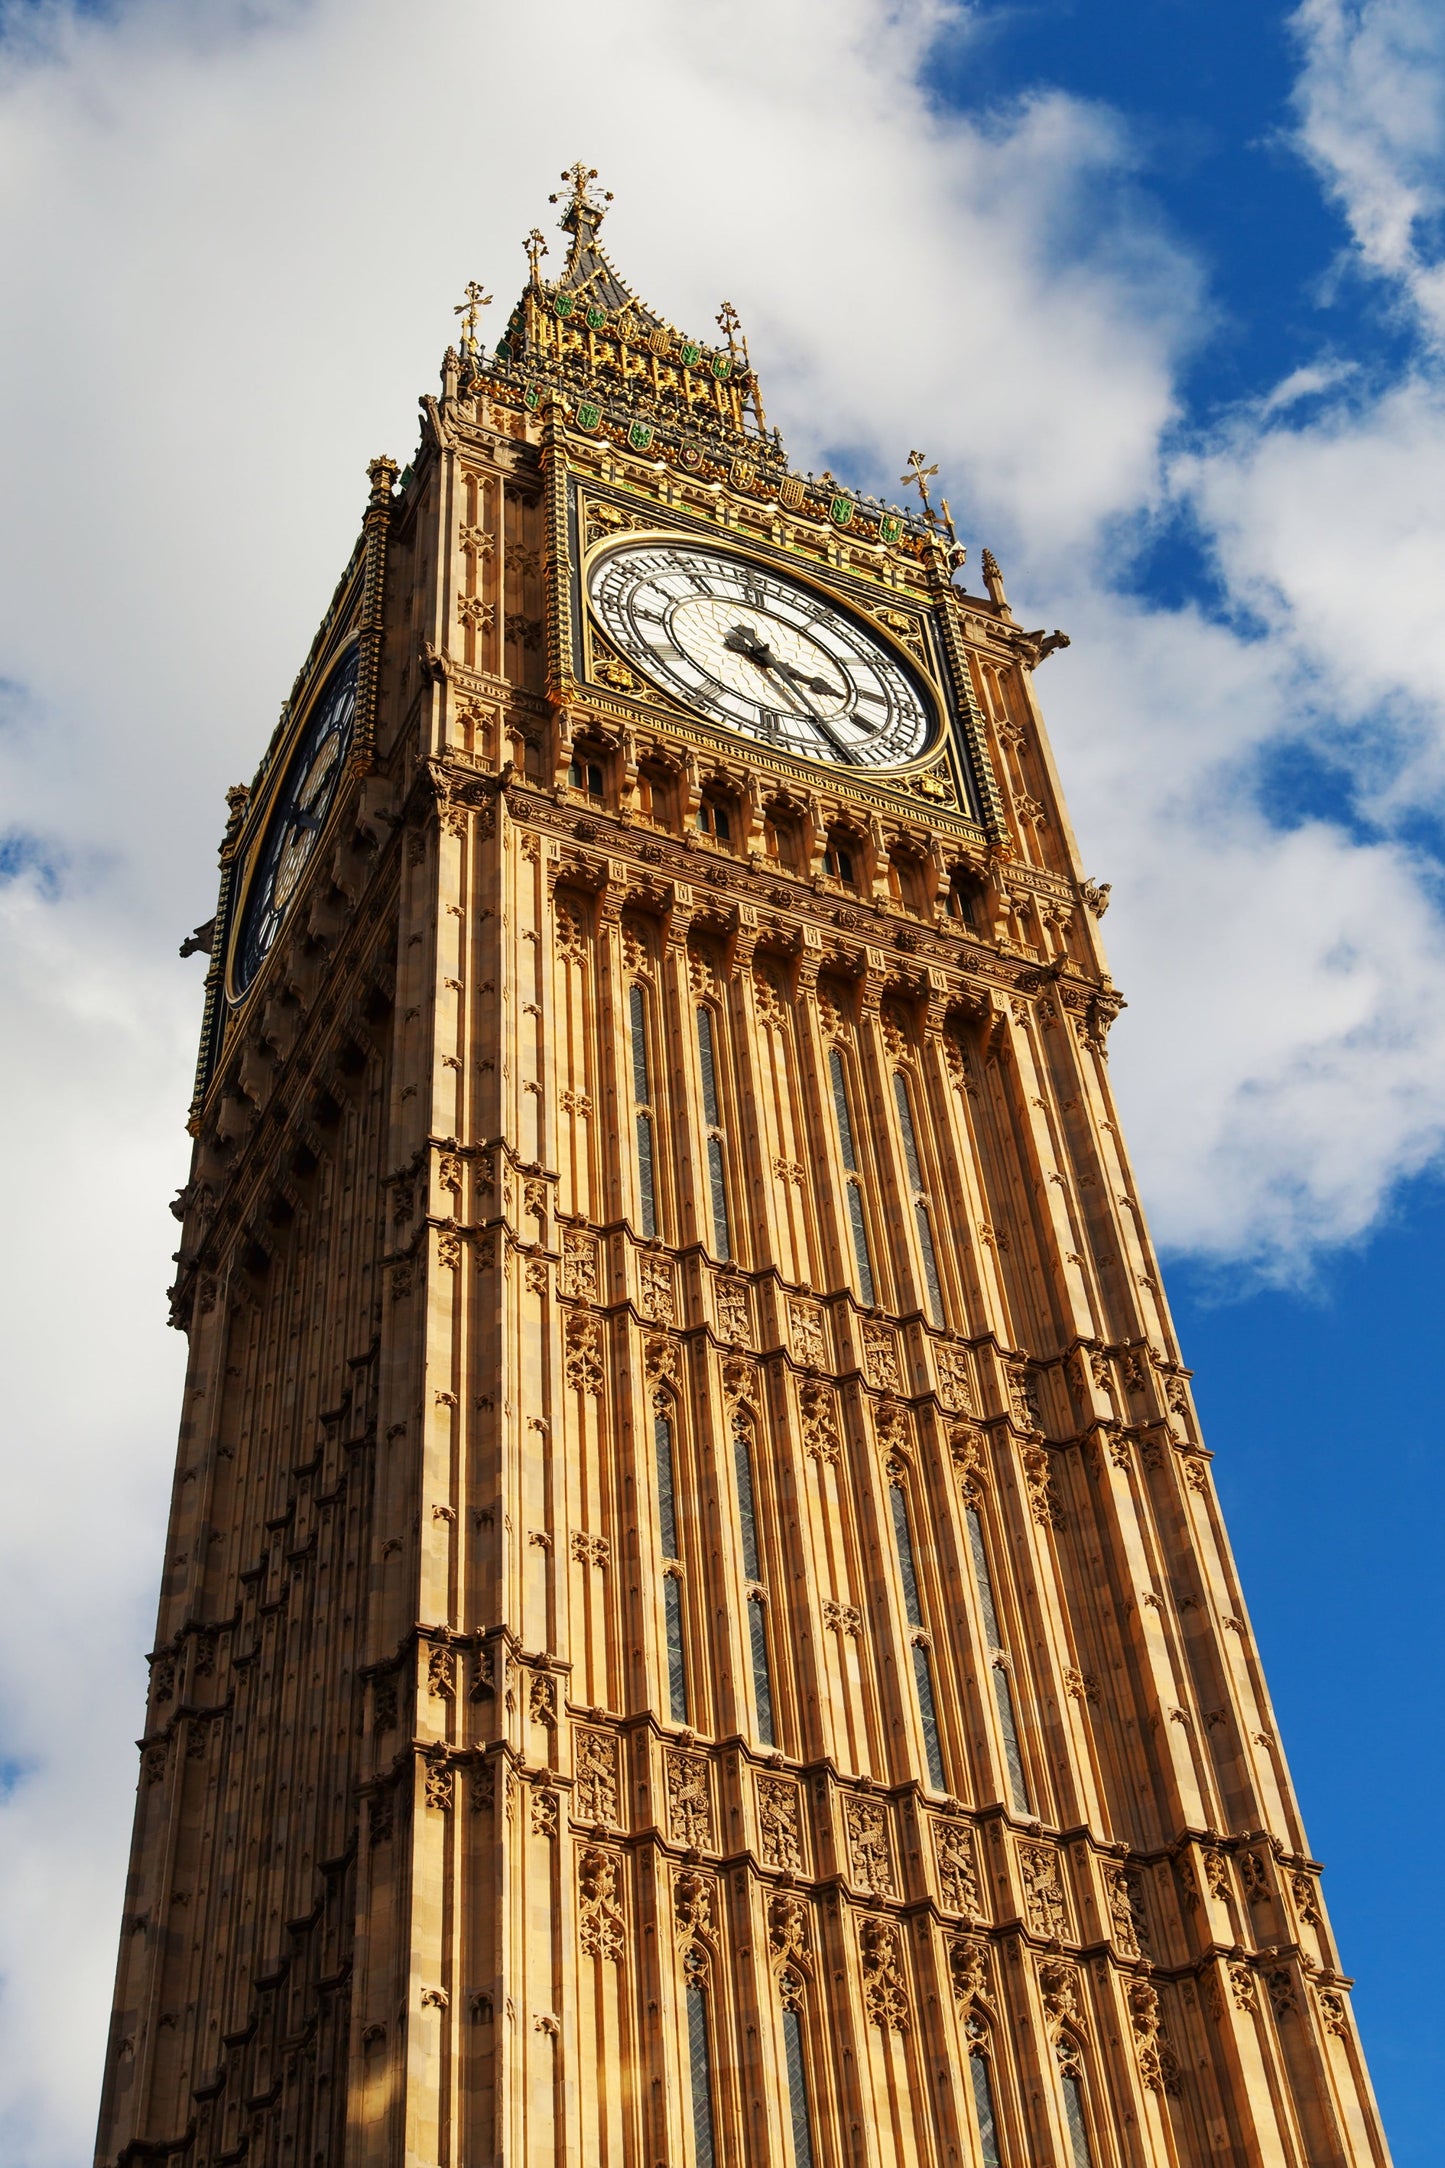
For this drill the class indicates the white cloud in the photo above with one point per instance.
(1371, 106)
(235, 239)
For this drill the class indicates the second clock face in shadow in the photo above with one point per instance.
(297, 819)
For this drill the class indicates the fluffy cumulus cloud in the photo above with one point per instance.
(1371, 106)
(233, 239)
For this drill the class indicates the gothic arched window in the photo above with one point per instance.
(980, 2077)
(790, 1991)
(642, 1109)
(918, 1633)
(1071, 2079)
(918, 1190)
(753, 1571)
(664, 1442)
(712, 1115)
(857, 1218)
(699, 2055)
(997, 1659)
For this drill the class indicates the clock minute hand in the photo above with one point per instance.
(794, 679)
(800, 677)
(744, 641)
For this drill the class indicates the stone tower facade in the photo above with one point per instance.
(696, 1626)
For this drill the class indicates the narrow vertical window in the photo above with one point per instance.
(982, 2084)
(642, 1110)
(998, 1663)
(792, 1990)
(1071, 2079)
(857, 1223)
(757, 1594)
(747, 1509)
(700, 2062)
(922, 1659)
(762, 1676)
(712, 1114)
(921, 1217)
(671, 1566)
(928, 1711)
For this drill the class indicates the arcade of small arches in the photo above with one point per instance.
(901, 868)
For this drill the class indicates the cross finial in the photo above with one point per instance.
(472, 302)
(579, 175)
(728, 323)
(536, 247)
(917, 478)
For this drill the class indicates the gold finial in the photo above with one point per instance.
(473, 300)
(579, 175)
(730, 324)
(536, 247)
(917, 477)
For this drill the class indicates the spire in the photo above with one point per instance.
(582, 216)
(585, 337)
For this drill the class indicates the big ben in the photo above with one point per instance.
(696, 1626)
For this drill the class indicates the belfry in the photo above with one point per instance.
(696, 1626)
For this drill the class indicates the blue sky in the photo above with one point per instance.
(1161, 287)
(1316, 1397)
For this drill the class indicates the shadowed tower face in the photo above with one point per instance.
(696, 1626)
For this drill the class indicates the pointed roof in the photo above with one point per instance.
(589, 271)
(588, 338)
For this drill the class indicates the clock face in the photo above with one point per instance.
(298, 815)
(760, 653)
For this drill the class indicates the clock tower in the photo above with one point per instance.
(696, 1626)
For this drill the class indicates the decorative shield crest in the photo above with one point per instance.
(691, 356)
(742, 475)
(660, 341)
(564, 304)
(889, 528)
(596, 318)
(722, 365)
(792, 493)
(840, 511)
(639, 436)
(589, 414)
(531, 397)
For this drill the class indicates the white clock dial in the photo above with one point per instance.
(759, 653)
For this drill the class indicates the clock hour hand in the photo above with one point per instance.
(744, 641)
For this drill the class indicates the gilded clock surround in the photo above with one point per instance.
(624, 1250)
(912, 656)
